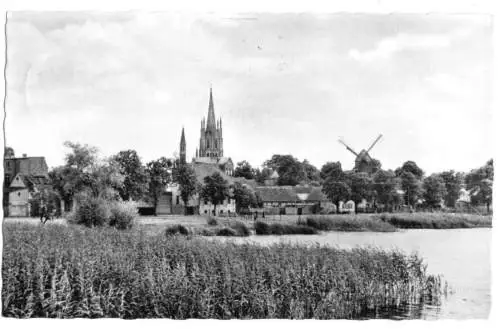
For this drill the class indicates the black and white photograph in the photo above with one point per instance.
(244, 165)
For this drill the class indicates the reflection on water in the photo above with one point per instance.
(462, 256)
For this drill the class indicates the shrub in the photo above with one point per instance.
(349, 223)
(123, 214)
(212, 221)
(90, 211)
(227, 231)
(240, 228)
(262, 228)
(176, 229)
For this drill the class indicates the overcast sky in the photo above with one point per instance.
(282, 83)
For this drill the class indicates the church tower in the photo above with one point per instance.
(211, 134)
(183, 148)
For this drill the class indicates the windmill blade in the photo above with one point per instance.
(375, 142)
(347, 147)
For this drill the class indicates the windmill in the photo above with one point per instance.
(364, 162)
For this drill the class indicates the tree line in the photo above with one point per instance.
(381, 187)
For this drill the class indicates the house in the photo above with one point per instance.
(23, 177)
(292, 200)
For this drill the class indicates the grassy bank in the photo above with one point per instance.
(435, 220)
(348, 223)
(388, 222)
(67, 271)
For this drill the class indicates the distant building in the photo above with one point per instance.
(292, 200)
(23, 177)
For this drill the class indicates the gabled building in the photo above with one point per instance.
(23, 177)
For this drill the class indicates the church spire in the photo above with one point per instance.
(211, 114)
(183, 147)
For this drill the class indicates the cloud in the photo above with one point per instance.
(387, 47)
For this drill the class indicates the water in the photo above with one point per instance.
(462, 256)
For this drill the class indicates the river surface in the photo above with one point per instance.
(462, 256)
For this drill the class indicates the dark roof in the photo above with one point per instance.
(277, 193)
(317, 195)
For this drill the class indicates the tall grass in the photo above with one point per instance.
(262, 228)
(348, 223)
(435, 220)
(73, 271)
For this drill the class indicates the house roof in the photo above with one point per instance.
(290, 193)
(277, 193)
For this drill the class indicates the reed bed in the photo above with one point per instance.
(440, 220)
(348, 223)
(262, 228)
(75, 272)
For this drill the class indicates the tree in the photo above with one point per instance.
(244, 197)
(262, 175)
(8, 152)
(159, 177)
(84, 173)
(434, 190)
(290, 170)
(360, 184)
(332, 170)
(188, 184)
(215, 189)
(411, 185)
(336, 191)
(81, 157)
(245, 170)
(480, 184)
(453, 182)
(385, 185)
(410, 166)
(135, 182)
(311, 173)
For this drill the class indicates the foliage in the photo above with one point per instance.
(71, 272)
(336, 191)
(480, 184)
(411, 167)
(215, 189)
(332, 170)
(135, 182)
(411, 186)
(159, 177)
(245, 170)
(311, 173)
(83, 172)
(348, 223)
(290, 169)
(262, 228)
(244, 197)
(8, 152)
(361, 186)
(434, 190)
(90, 211)
(262, 175)
(176, 229)
(435, 220)
(212, 221)
(188, 184)
(227, 231)
(385, 184)
(240, 228)
(122, 214)
(47, 198)
(453, 182)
